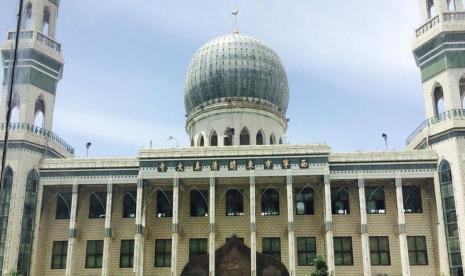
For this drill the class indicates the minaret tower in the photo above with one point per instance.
(39, 68)
(439, 51)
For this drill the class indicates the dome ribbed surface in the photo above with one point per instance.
(236, 67)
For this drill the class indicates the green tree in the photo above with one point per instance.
(321, 268)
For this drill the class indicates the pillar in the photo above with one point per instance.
(290, 223)
(328, 225)
(364, 228)
(72, 230)
(108, 231)
(442, 242)
(211, 227)
(138, 239)
(401, 226)
(175, 227)
(253, 226)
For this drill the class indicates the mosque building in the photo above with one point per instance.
(238, 201)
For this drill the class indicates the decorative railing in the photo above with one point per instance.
(38, 36)
(443, 17)
(38, 131)
(448, 115)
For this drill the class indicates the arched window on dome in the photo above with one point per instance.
(46, 21)
(201, 141)
(259, 139)
(39, 112)
(244, 138)
(214, 139)
(438, 97)
(272, 139)
(228, 137)
(27, 14)
(462, 90)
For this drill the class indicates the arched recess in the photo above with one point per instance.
(259, 138)
(27, 15)
(201, 141)
(451, 5)
(280, 141)
(228, 137)
(15, 109)
(213, 139)
(272, 139)
(462, 91)
(27, 225)
(192, 142)
(438, 98)
(244, 138)
(450, 217)
(46, 22)
(39, 112)
(430, 8)
(5, 197)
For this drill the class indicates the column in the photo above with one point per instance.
(364, 228)
(328, 225)
(253, 226)
(138, 240)
(107, 238)
(401, 226)
(175, 227)
(36, 229)
(211, 227)
(290, 223)
(442, 242)
(72, 230)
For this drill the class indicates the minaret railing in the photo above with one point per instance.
(37, 36)
(449, 17)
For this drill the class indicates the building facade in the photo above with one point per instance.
(240, 198)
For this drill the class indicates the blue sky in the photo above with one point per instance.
(350, 67)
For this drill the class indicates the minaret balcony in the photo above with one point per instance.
(37, 40)
(443, 126)
(37, 136)
(444, 22)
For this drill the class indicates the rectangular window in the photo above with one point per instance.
(417, 252)
(340, 201)
(306, 251)
(234, 203)
(343, 251)
(59, 254)
(199, 206)
(63, 207)
(164, 204)
(197, 247)
(379, 251)
(163, 253)
(375, 200)
(98, 202)
(94, 254)
(412, 199)
(272, 246)
(129, 204)
(126, 255)
(304, 204)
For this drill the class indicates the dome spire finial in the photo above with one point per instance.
(235, 13)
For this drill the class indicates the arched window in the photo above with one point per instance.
(340, 201)
(259, 139)
(214, 139)
(201, 141)
(430, 8)
(228, 137)
(280, 141)
(5, 197)
(462, 90)
(272, 139)
(451, 5)
(450, 217)
(244, 138)
(234, 203)
(27, 225)
(27, 14)
(438, 96)
(39, 112)
(270, 202)
(46, 21)
(129, 204)
(375, 201)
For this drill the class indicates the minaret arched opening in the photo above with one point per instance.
(259, 138)
(272, 139)
(451, 5)
(27, 15)
(46, 22)
(214, 139)
(431, 8)
(244, 138)
(201, 141)
(438, 97)
(228, 137)
(39, 112)
(15, 109)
